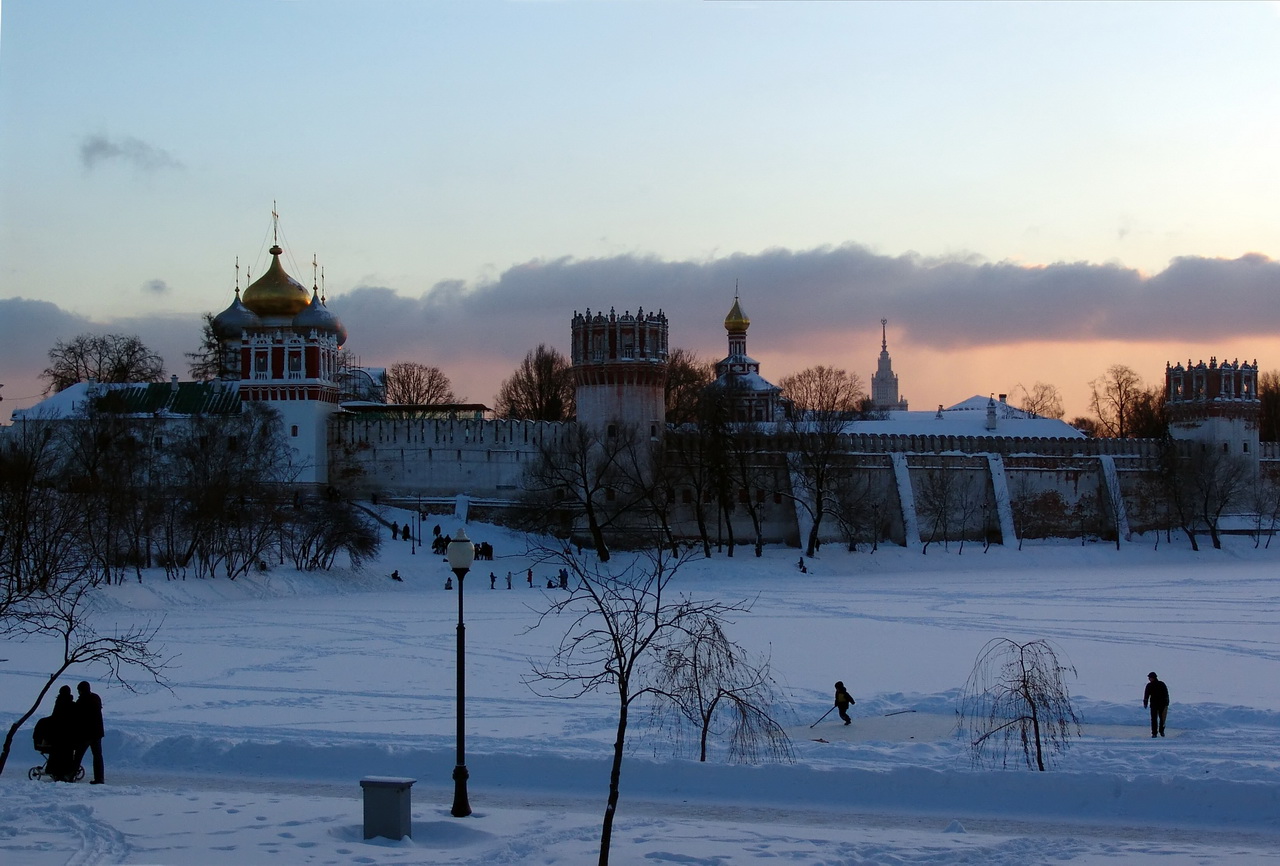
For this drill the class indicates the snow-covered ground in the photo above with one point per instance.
(289, 688)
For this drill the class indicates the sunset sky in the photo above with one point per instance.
(1027, 191)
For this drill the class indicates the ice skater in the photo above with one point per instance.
(843, 701)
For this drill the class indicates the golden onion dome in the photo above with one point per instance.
(737, 320)
(275, 293)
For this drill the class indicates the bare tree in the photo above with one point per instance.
(825, 399)
(1203, 481)
(687, 377)
(937, 502)
(705, 677)
(1043, 399)
(584, 474)
(541, 388)
(111, 358)
(1016, 702)
(621, 625)
(63, 613)
(1124, 407)
(409, 383)
(38, 516)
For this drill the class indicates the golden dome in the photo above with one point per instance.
(736, 321)
(275, 293)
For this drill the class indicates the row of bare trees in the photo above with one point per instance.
(88, 500)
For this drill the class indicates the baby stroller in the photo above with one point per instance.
(44, 736)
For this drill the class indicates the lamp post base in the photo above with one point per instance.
(461, 807)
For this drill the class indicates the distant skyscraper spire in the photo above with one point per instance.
(884, 384)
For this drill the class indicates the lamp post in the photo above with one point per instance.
(461, 554)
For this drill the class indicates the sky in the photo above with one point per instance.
(287, 688)
(1026, 191)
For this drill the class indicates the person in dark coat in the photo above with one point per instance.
(843, 701)
(89, 730)
(1156, 697)
(61, 738)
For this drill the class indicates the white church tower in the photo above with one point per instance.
(281, 344)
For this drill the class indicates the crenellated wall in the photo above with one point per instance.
(971, 487)
(435, 457)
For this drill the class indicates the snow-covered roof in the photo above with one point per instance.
(151, 398)
(969, 418)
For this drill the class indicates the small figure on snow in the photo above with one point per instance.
(843, 701)
(801, 565)
(395, 575)
(508, 580)
(448, 583)
(1157, 696)
(493, 579)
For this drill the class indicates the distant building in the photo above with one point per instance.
(281, 344)
(884, 384)
(1018, 473)
(752, 398)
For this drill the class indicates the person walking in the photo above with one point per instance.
(89, 730)
(843, 701)
(493, 579)
(1156, 696)
(508, 580)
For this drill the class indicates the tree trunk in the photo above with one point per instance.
(615, 778)
(13, 729)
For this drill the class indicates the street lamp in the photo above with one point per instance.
(461, 554)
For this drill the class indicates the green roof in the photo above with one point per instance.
(188, 398)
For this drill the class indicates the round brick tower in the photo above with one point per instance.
(620, 370)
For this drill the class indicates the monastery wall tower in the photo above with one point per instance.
(620, 370)
(281, 343)
(1215, 404)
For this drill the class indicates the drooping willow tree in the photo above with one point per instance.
(1016, 702)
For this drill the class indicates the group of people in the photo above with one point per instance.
(1155, 697)
(74, 728)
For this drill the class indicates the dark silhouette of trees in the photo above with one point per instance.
(211, 360)
(409, 383)
(1124, 407)
(110, 358)
(583, 475)
(540, 389)
(1269, 397)
(1202, 480)
(824, 400)
(1016, 702)
(687, 377)
(1043, 399)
